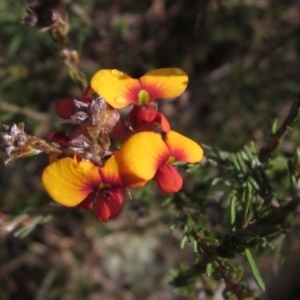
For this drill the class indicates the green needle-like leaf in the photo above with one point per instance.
(254, 270)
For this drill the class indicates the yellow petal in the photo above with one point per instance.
(164, 83)
(110, 173)
(183, 148)
(68, 182)
(117, 88)
(140, 157)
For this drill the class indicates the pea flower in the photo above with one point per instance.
(119, 89)
(81, 183)
(146, 155)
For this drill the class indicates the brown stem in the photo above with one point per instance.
(69, 55)
(288, 124)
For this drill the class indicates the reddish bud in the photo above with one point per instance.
(68, 133)
(59, 137)
(120, 132)
(65, 108)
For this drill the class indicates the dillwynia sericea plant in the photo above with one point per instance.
(97, 155)
(86, 169)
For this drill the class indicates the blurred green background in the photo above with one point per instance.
(242, 57)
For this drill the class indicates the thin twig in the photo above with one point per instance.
(288, 124)
(69, 55)
(28, 112)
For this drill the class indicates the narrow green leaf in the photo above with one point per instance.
(253, 148)
(15, 45)
(195, 246)
(254, 183)
(239, 273)
(235, 163)
(249, 153)
(209, 269)
(232, 210)
(244, 155)
(295, 119)
(215, 181)
(241, 162)
(254, 269)
(274, 127)
(229, 265)
(248, 199)
(211, 241)
(183, 241)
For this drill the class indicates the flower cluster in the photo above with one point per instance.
(100, 155)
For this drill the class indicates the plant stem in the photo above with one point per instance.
(288, 124)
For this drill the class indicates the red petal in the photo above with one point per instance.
(109, 204)
(147, 118)
(163, 121)
(168, 179)
(146, 113)
(88, 202)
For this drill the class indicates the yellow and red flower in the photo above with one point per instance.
(144, 156)
(119, 89)
(81, 183)
(147, 155)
